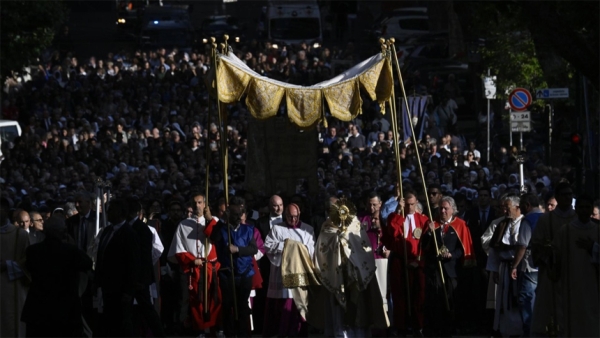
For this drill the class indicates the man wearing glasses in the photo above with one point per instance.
(282, 317)
(435, 196)
(36, 229)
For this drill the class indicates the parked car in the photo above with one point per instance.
(167, 34)
(427, 54)
(403, 23)
(403, 11)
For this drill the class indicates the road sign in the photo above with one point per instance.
(522, 127)
(552, 93)
(522, 116)
(490, 87)
(519, 99)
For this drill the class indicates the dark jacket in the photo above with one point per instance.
(144, 234)
(74, 226)
(36, 236)
(118, 262)
(477, 227)
(53, 300)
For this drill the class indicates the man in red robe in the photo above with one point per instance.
(402, 236)
(192, 249)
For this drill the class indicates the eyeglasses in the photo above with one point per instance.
(433, 193)
(38, 220)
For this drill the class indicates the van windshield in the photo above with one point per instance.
(8, 133)
(295, 28)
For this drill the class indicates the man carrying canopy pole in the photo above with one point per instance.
(402, 236)
(391, 45)
(200, 264)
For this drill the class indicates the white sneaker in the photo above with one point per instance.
(202, 335)
(220, 334)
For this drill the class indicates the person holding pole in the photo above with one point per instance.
(454, 245)
(236, 247)
(403, 232)
(189, 248)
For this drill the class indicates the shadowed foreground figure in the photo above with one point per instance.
(53, 306)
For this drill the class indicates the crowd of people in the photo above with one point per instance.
(140, 121)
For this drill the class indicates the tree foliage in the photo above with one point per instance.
(535, 44)
(27, 29)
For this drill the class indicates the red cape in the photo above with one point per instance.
(196, 296)
(464, 236)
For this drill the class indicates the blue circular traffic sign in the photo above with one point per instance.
(519, 99)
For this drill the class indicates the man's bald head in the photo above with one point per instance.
(292, 214)
(275, 206)
(22, 218)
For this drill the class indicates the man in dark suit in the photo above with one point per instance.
(53, 307)
(475, 281)
(264, 225)
(275, 216)
(478, 219)
(144, 309)
(117, 272)
(81, 228)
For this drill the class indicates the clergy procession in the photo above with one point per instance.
(404, 260)
(365, 273)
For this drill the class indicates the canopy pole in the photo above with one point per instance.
(391, 42)
(394, 118)
(223, 131)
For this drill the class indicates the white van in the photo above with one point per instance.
(9, 130)
(294, 22)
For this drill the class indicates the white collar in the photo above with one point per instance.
(448, 221)
(516, 220)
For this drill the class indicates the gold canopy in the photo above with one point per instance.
(304, 104)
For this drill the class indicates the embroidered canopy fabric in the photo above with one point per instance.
(305, 104)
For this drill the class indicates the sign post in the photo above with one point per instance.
(490, 94)
(520, 121)
(550, 94)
